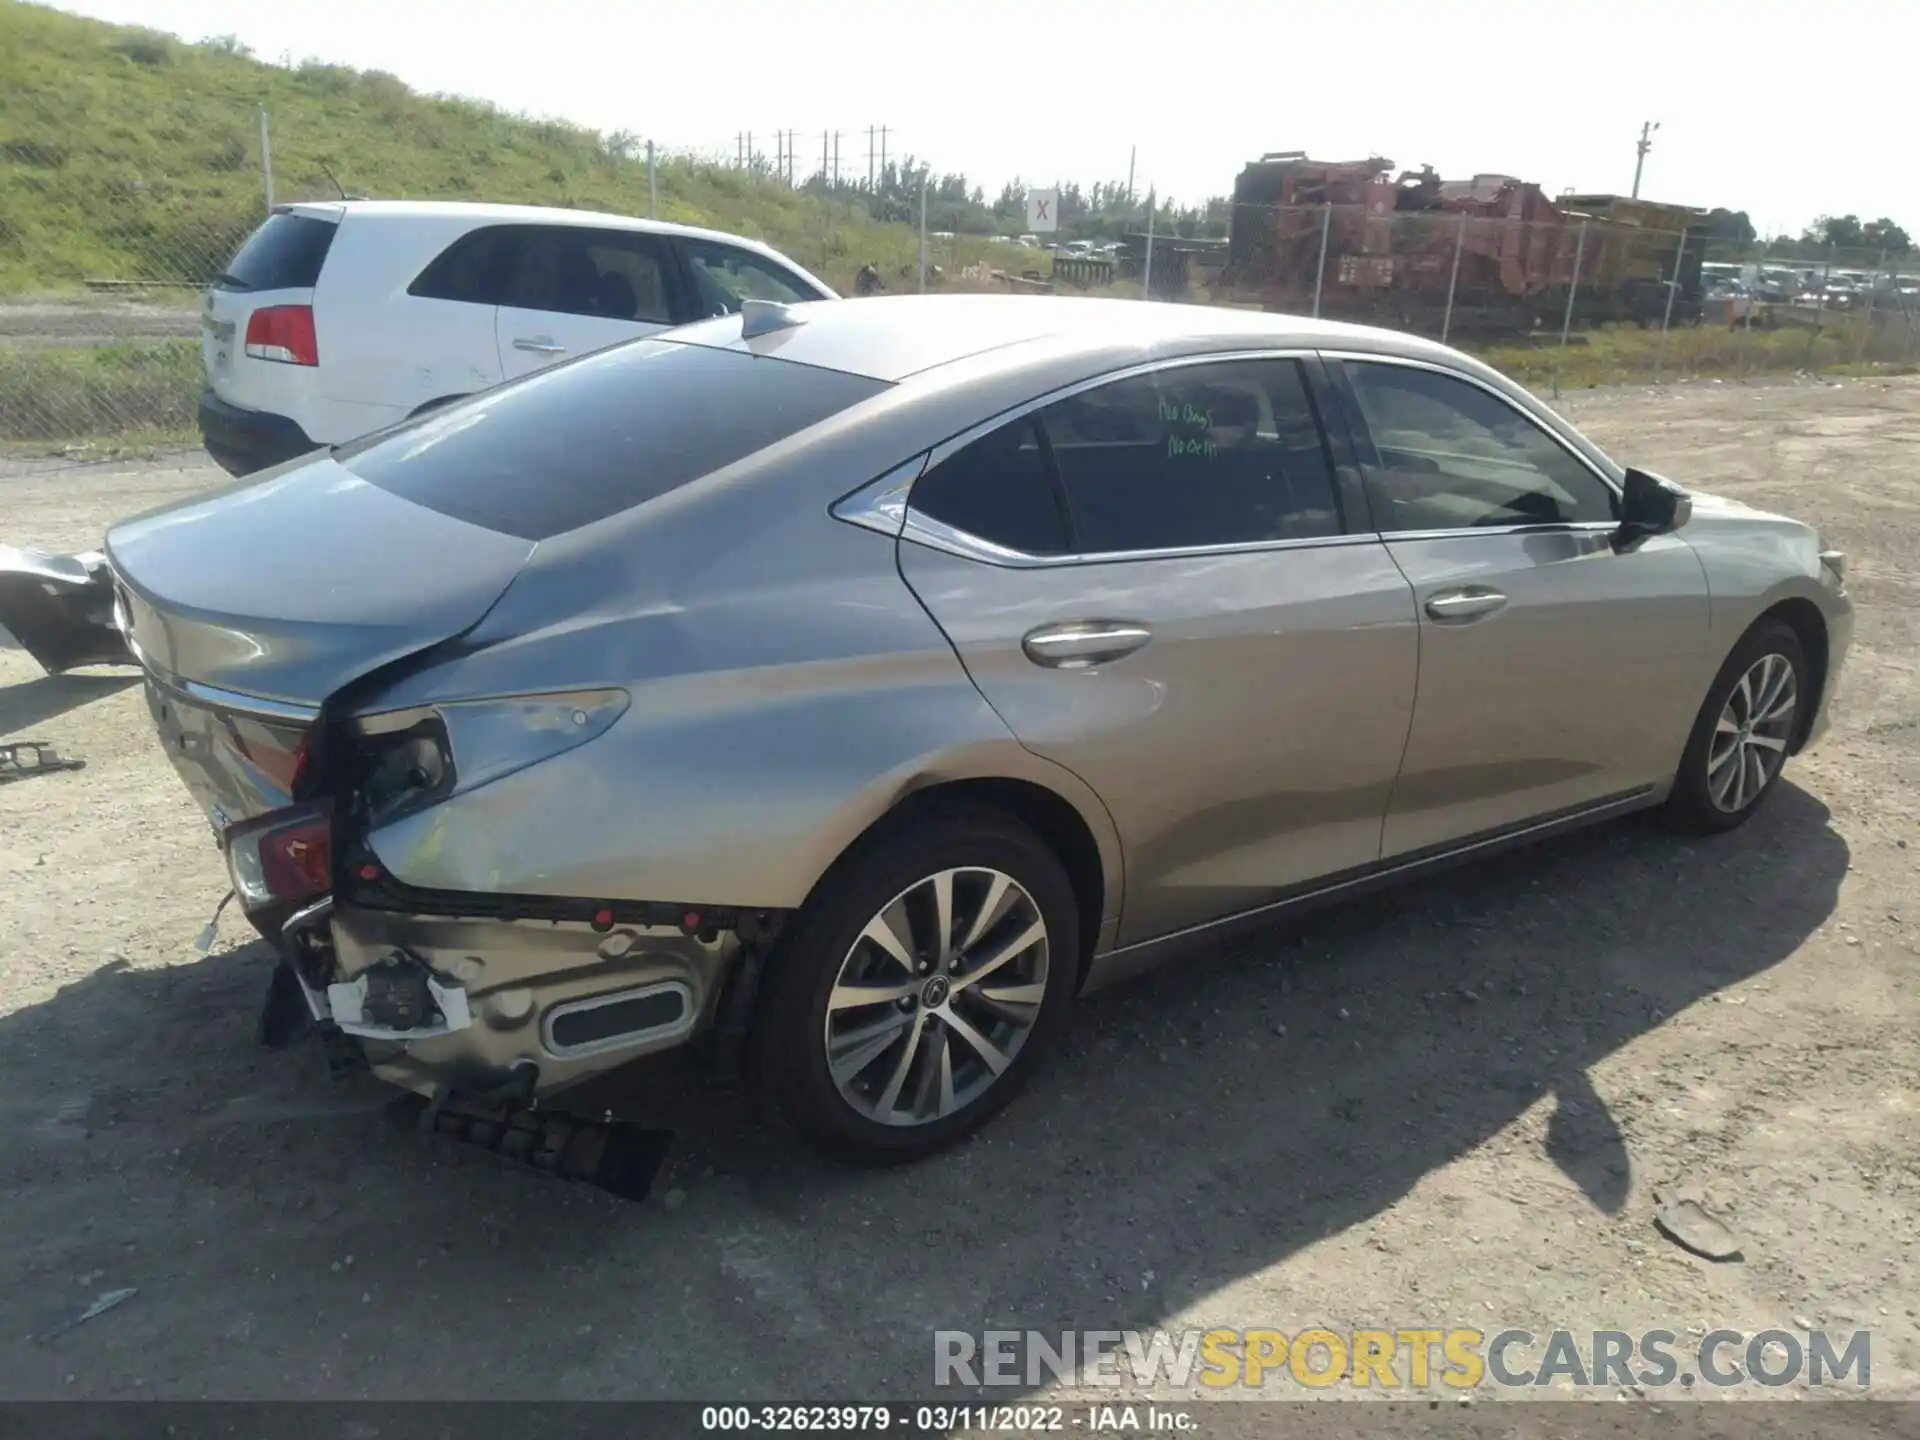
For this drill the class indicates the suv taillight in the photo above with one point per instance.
(282, 858)
(283, 333)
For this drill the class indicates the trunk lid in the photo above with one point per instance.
(250, 607)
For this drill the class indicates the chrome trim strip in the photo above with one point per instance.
(881, 504)
(318, 910)
(216, 698)
(1469, 532)
(689, 1016)
(249, 704)
(1598, 810)
(936, 535)
(1066, 392)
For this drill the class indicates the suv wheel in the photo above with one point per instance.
(1744, 730)
(919, 986)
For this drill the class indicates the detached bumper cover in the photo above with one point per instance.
(243, 441)
(60, 609)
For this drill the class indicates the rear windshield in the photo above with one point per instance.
(586, 440)
(286, 253)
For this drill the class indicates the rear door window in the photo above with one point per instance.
(286, 253)
(1226, 453)
(587, 439)
(609, 274)
(560, 269)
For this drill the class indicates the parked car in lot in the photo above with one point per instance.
(1730, 302)
(863, 682)
(337, 319)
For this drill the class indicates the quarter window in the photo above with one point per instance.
(473, 270)
(1444, 454)
(999, 489)
(1216, 454)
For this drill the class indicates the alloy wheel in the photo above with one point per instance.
(936, 996)
(1750, 738)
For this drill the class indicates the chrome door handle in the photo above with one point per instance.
(1465, 604)
(539, 345)
(1082, 644)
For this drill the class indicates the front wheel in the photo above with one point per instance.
(919, 986)
(1744, 730)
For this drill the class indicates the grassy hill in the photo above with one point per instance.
(128, 154)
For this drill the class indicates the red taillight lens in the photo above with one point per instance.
(282, 857)
(283, 333)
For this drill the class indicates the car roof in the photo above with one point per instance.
(893, 337)
(480, 213)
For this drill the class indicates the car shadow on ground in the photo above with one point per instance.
(48, 697)
(1199, 1125)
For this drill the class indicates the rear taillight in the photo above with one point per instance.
(283, 333)
(284, 857)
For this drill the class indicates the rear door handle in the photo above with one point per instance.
(1083, 643)
(539, 345)
(1465, 604)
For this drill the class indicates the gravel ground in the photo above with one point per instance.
(100, 320)
(1448, 1106)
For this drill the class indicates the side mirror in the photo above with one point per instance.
(1650, 505)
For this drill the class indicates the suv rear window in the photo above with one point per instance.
(286, 253)
(587, 439)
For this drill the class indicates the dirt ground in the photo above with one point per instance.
(1450, 1106)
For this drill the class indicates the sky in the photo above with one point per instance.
(1786, 111)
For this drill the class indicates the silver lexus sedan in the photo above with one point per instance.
(848, 686)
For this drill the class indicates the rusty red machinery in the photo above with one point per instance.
(1387, 249)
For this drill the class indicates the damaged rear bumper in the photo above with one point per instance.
(61, 609)
(443, 1005)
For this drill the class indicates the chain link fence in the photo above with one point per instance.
(111, 231)
(1562, 299)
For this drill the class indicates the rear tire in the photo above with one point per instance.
(883, 1050)
(1744, 732)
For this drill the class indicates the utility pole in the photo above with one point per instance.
(883, 150)
(266, 159)
(792, 135)
(825, 137)
(1133, 154)
(836, 159)
(872, 130)
(924, 172)
(1645, 144)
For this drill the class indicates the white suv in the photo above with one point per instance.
(334, 320)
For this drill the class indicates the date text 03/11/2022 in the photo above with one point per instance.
(946, 1419)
